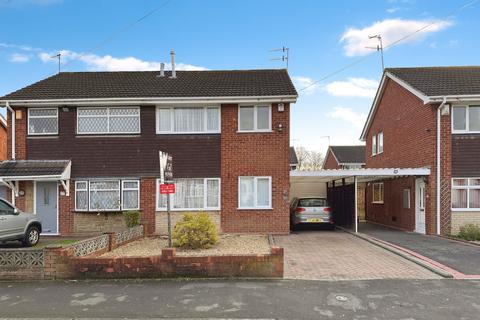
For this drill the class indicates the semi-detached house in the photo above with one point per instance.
(83, 146)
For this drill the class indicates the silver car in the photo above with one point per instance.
(311, 210)
(17, 225)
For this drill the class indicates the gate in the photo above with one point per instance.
(342, 201)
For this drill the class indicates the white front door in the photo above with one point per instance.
(420, 206)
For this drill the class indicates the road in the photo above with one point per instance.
(259, 299)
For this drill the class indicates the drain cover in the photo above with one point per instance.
(341, 298)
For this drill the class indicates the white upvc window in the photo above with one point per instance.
(107, 195)
(380, 142)
(42, 121)
(255, 118)
(378, 192)
(191, 194)
(374, 145)
(406, 198)
(108, 120)
(466, 119)
(192, 120)
(466, 194)
(254, 192)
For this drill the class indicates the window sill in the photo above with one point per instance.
(187, 210)
(465, 210)
(46, 135)
(107, 135)
(184, 133)
(254, 131)
(258, 208)
(377, 202)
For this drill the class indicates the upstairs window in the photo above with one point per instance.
(111, 120)
(377, 143)
(465, 119)
(374, 145)
(254, 118)
(42, 121)
(188, 120)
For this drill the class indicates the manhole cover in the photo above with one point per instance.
(341, 298)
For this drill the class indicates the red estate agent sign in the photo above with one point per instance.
(167, 188)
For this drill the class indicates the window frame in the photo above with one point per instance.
(204, 207)
(467, 119)
(123, 189)
(255, 118)
(380, 142)
(383, 192)
(42, 117)
(172, 119)
(109, 116)
(255, 193)
(374, 145)
(467, 187)
(408, 192)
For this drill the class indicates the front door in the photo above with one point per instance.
(46, 196)
(420, 206)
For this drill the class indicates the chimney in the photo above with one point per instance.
(162, 70)
(172, 55)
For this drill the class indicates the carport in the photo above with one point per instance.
(342, 186)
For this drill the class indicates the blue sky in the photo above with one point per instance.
(217, 34)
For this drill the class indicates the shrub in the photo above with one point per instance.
(195, 231)
(470, 232)
(132, 218)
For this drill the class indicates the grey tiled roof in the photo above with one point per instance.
(441, 81)
(349, 154)
(23, 168)
(146, 84)
(293, 156)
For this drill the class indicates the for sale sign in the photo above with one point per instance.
(167, 188)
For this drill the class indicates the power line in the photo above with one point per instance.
(391, 45)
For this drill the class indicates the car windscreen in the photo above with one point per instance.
(313, 202)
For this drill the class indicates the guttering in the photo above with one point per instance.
(7, 105)
(434, 99)
(439, 115)
(152, 100)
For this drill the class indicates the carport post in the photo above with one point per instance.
(356, 202)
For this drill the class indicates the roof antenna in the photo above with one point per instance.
(379, 47)
(285, 55)
(59, 56)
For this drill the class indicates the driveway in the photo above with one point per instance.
(337, 255)
(462, 257)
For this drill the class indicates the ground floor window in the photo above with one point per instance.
(406, 198)
(254, 192)
(378, 190)
(466, 193)
(192, 194)
(107, 195)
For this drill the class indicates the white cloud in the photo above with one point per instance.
(109, 63)
(305, 82)
(348, 115)
(356, 40)
(392, 10)
(353, 87)
(19, 58)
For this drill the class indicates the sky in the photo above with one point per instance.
(327, 42)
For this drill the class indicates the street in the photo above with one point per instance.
(252, 299)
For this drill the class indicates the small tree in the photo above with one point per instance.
(195, 231)
(132, 218)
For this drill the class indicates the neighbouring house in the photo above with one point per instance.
(84, 146)
(293, 159)
(344, 157)
(3, 151)
(426, 118)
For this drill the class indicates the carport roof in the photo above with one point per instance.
(362, 175)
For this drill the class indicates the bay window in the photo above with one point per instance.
(466, 193)
(107, 195)
(378, 192)
(192, 194)
(254, 192)
(108, 120)
(254, 118)
(466, 119)
(42, 121)
(188, 120)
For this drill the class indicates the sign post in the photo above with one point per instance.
(167, 186)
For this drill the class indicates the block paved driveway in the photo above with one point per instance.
(459, 256)
(337, 255)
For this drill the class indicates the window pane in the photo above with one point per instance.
(188, 119)
(474, 198)
(460, 182)
(81, 200)
(43, 125)
(130, 199)
(406, 198)
(188, 194)
(474, 118)
(164, 120)
(459, 198)
(263, 192)
(104, 185)
(374, 144)
(380, 142)
(474, 182)
(246, 192)
(92, 112)
(263, 118)
(125, 124)
(459, 118)
(42, 112)
(212, 193)
(124, 111)
(104, 200)
(93, 125)
(213, 119)
(246, 118)
(130, 184)
(162, 201)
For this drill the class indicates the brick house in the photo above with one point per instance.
(425, 117)
(84, 146)
(344, 157)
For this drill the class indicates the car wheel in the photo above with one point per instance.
(32, 236)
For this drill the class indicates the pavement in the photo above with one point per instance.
(338, 255)
(459, 257)
(255, 299)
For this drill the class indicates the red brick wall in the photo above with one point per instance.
(66, 208)
(20, 137)
(3, 142)
(148, 203)
(255, 154)
(409, 134)
(330, 162)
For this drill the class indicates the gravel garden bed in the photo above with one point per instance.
(227, 245)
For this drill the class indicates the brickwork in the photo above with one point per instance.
(93, 223)
(66, 207)
(255, 154)
(330, 162)
(3, 142)
(161, 221)
(461, 218)
(21, 134)
(148, 190)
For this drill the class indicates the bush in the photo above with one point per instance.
(132, 218)
(195, 231)
(470, 232)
